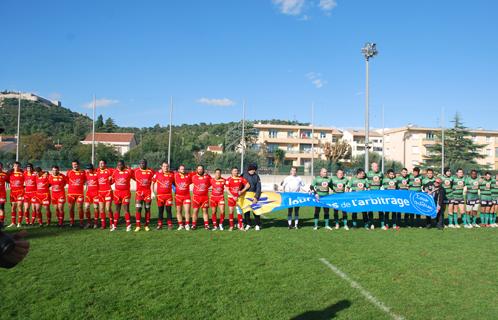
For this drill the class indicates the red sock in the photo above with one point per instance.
(20, 216)
(2, 219)
(81, 215)
(160, 223)
(128, 219)
(116, 219)
(214, 219)
(88, 215)
(147, 218)
(206, 223)
(170, 223)
(39, 216)
(111, 218)
(102, 220)
(71, 216)
(239, 218)
(13, 216)
(194, 224)
(26, 215)
(95, 216)
(33, 216)
(49, 214)
(138, 217)
(181, 223)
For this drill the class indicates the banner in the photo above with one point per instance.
(379, 200)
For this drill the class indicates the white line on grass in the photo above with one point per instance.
(362, 290)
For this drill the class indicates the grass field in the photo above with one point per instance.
(272, 274)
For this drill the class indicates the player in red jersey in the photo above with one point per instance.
(122, 177)
(163, 181)
(236, 186)
(29, 193)
(217, 199)
(16, 184)
(42, 198)
(182, 197)
(57, 183)
(76, 179)
(143, 195)
(3, 194)
(201, 182)
(92, 194)
(104, 176)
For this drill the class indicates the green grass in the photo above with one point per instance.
(272, 274)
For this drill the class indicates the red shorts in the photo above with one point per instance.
(200, 202)
(105, 196)
(29, 197)
(216, 201)
(3, 198)
(92, 197)
(75, 198)
(164, 200)
(232, 202)
(43, 199)
(58, 198)
(182, 199)
(16, 195)
(122, 196)
(143, 196)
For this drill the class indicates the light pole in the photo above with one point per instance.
(170, 128)
(312, 139)
(368, 51)
(243, 138)
(93, 130)
(18, 126)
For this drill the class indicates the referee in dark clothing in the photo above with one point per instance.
(435, 190)
(255, 186)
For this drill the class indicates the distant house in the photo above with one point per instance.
(122, 142)
(215, 149)
(7, 143)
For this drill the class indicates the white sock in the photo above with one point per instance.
(289, 222)
(296, 223)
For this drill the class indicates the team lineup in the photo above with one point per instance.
(34, 192)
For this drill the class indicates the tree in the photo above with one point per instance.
(99, 123)
(459, 148)
(233, 136)
(279, 155)
(340, 150)
(110, 125)
(34, 146)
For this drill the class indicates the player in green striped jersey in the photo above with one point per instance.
(339, 185)
(403, 184)
(448, 187)
(457, 198)
(428, 186)
(321, 186)
(390, 183)
(414, 184)
(358, 184)
(494, 210)
(486, 185)
(375, 177)
(469, 218)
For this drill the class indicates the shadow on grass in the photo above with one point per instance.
(327, 313)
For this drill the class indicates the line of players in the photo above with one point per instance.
(465, 196)
(33, 190)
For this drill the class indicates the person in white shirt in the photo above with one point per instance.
(292, 183)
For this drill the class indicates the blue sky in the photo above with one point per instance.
(278, 55)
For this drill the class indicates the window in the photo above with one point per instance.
(489, 152)
(323, 135)
(289, 147)
(334, 139)
(290, 134)
(488, 139)
(272, 147)
(429, 135)
(273, 133)
(496, 152)
(305, 134)
(306, 148)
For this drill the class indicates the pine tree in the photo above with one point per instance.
(459, 148)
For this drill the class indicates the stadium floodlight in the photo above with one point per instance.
(368, 51)
(18, 126)
(170, 129)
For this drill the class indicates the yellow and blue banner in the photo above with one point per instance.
(405, 201)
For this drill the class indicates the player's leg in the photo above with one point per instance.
(102, 214)
(326, 217)
(205, 215)
(289, 217)
(247, 220)
(384, 220)
(60, 209)
(108, 209)
(138, 214)
(366, 221)
(71, 202)
(186, 209)
(146, 204)
(118, 203)
(37, 213)
(179, 216)
(160, 212)
(88, 213)
(257, 221)
(354, 219)
(26, 204)
(214, 215)
(221, 209)
(371, 219)
(394, 220)
(13, 213)
(296, 218)
(345, 220)
(127, 215)
(81, 213)
(231, 210)
(461, 211)
(381, 219)
(169, 214)
(316, 217)
(2, 213)
(336, 218)
(195, 214)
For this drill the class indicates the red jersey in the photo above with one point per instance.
(122, 179)
(164, 182)
(76, 182)
(3, 181)
(217, 187)
(182, 184)
(42, 183)
(57, 183)
(16, 180)
(92, 182)
(29, 182)
(104, 178)
(235, 184)
(143, 179)
(201, 184)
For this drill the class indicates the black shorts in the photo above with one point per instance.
(446, 201)
(456, 201)
(487, 203)
(472, 202)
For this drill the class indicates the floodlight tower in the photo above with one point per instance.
(368, 51)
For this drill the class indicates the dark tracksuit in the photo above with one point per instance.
(255, 186)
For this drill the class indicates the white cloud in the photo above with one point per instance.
(290, 7)
(224, 102)
(103, 102)
(316, 79)
(327, 5)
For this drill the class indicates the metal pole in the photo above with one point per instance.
(367, 123)
(170, 129)
(312, 139)
(243, 139)
(18, 126)
(383, 138)
(93, 130)
(442, 141)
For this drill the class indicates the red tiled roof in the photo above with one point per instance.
(214, 148)
(111, 137)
